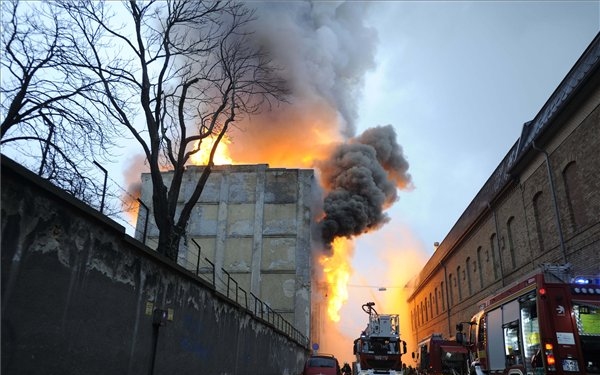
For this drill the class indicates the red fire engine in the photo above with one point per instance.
(548, 323)
(379, 348)
(439, 356)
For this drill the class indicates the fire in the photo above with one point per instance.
(129, 202)
(221, 157)
(337, 271)
(294, 138)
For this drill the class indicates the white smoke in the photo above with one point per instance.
(324, 50)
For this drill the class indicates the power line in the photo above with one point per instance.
(379, 287)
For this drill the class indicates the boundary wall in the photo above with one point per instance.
(80, 296)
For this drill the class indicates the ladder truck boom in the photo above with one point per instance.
(379, 348)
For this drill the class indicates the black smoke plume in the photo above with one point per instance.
(362, 177)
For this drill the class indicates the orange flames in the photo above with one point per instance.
(336, 269)
(311, 141)
(221, 157)
(130, 205)
(294, 137)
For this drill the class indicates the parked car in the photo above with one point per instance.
(322, 364)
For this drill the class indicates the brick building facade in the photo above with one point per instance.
(541, 205)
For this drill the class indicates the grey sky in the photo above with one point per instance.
(457, 80)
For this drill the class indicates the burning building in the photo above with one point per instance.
(253, 223)
(258, 223)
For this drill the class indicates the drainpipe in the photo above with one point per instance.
(555, 201)
(497, 243)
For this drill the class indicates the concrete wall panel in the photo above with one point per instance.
(278, 290)
(204, 220)
(281, 186)
(279, 254)
(212, 189)
(238, 254)
(280, 219)
(240, 219)
(242, 187)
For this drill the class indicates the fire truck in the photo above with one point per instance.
(547, 323)
(439, 356)
(379, 349)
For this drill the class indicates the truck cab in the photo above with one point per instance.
(543, 324)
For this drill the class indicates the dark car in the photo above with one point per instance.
(322, 364)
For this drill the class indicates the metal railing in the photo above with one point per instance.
(228, 287)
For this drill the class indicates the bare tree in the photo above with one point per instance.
(48, 108)
(173, 73)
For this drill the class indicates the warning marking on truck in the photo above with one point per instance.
(565, 338)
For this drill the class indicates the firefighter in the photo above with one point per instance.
(346, 370)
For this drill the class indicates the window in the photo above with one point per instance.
(512, 344)
(437, 311)
(537, 215)
(450, 291)
(479, 255)
(468, 272)
(530, 331)
(442, 291)
(458, 282)
(321, 362)
(494, 248)
(430, 306)
(587, 317)
(511, 245)
(574, 198)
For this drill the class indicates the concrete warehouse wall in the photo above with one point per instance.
(78, 296)
(254, 223)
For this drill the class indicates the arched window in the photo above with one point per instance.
(430, 306)
(458, 283)
(494, 249)
(442, 295)
(511, 245)
(451, 284)
(479, 262)
(417, 316)
(574, 197)
(426, 310)
(468, 272)
(437, 310)
(537, 216)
